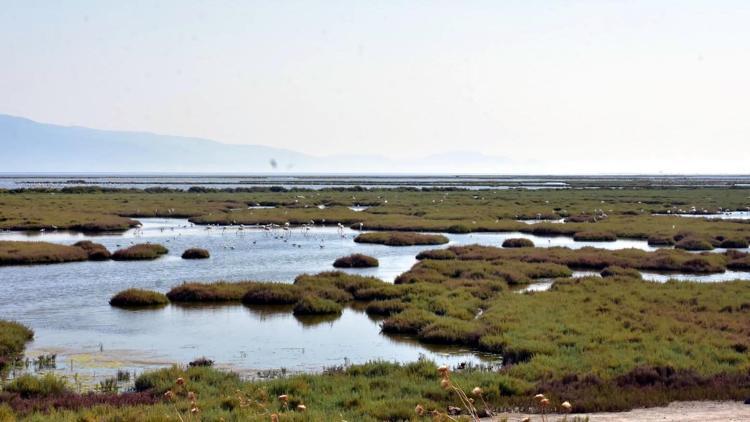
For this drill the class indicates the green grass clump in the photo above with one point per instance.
(518, 243)
(734, 243)
(29, 386)
(195, 253)
(385, 307)
(95, 251)
(140, 252)
(272, 294)
(28, 253)
(138, 298)
(356, 260)
(13, 339)
(592, 236)
(313, 305)
(220, 291)
(660, 240)
(436, 254)
(694, 244)
(615, 271)
(401, 238)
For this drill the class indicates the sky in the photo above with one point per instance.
(603, 86)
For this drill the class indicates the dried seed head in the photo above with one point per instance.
(169, 395)
(544, 402)
(180, 381)
(284, 398)
(301, 407)
(191, 396)
(476, 391)
(526, 419)
(566, 405)
(445, 383)
(194, 410)
(419, 410)
(539, 397)
(274, 417)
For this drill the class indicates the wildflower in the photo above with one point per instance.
(544, 402)
(169, 395)
(274, 417)
(180, 381)
(283, 398)
(444, 383)
(301, 407)
(476, 391)
(539, 397)
(419, 410)
(194, 410)
(566, 405)
(191, 396)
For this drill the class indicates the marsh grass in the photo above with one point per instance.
(356, 260)
(598, 259)
(518, 243)
(694, 244)
(272, 294)
(629, 211)
(28, 253)
(615, 271)
(401, 238)
(140, 252)
(594, 236)
(196, 253)
(95, 251)
(314, 305)
(220, 291)
(134, 298)
(13, 339)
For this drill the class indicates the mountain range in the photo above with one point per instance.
(30, 146)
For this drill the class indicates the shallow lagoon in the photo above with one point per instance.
(67, 304)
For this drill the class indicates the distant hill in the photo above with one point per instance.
(29, 146)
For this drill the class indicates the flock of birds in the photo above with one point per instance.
(281, 232)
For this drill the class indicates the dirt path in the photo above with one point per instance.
(692, 411)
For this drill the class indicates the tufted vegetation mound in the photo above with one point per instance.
(356, 260)
(401, 238)
(195, 253)
(140, 252)
(95, 251)
(27, 253)
(138, 298)
(518, 243)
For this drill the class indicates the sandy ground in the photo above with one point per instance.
(693, 411)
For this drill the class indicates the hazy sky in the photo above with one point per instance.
(608, 86)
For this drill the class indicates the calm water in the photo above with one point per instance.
(67, 304)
